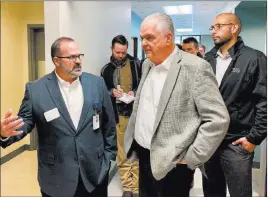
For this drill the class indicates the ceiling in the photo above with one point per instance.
(203, 13)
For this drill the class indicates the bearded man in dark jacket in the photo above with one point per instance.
(241, 73)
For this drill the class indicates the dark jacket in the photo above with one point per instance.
(243, 89)
(64, 151)
(200, 55)
(107, 73)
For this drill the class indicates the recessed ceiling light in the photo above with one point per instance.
(184, 30)
(171, 10)
(185, 9)
(178, 10)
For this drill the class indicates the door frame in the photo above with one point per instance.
(31, 29)
(263, 169)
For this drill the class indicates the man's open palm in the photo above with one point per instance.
(9, 125)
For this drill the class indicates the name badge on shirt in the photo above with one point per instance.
(52, 114)
(96, 122)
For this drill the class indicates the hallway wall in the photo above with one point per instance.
(14, 55)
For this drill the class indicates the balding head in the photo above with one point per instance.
(225, 29)
(231, 18)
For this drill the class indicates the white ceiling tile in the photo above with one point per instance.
(204, 12)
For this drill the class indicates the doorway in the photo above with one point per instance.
(36, 54)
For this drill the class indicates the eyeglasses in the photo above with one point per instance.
(73, 57)
(218, 26)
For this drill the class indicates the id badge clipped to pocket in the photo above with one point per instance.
(96, 117)
(96, 122)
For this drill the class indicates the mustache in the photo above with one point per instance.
(77, 66)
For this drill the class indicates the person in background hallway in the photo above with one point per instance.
(190, 45)
(178, 119)
(179, 46)
(241, 73)
(75, 123)
(202, 50)
(123, 70)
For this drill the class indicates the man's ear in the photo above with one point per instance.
(55, 60)
(235, 29)
(169, 38)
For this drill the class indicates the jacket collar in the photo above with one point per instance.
(233, 50)
(129, 57)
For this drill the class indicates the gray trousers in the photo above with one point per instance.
(231, 164)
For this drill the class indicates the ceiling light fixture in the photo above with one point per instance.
(184, 30)
(178, 10)
(185, 9)
(171, 10)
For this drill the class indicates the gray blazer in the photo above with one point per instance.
(191, 120)
(63, 151)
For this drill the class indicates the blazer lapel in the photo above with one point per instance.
(87, 91)
(168, 88)
(54, 90)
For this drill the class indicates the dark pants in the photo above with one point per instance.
(100, 191)
(177, 182)
(231, 164)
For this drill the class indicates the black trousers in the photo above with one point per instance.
(231, 164)
(100, 191)
(177, 183)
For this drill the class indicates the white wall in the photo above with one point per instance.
(92, 24)
(52, 30)
(253, 26)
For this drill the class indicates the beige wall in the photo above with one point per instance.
(14, 55)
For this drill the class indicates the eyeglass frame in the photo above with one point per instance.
(73, 57)
(218, 25)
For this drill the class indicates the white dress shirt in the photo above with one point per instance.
(149, 100)
(223, 63)
(72, 94)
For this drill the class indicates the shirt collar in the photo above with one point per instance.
(222, 56)
(167, 62)
(65, 83)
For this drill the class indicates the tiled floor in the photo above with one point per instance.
(115, 189)
(19, 178)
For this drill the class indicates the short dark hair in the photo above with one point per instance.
(179, 46)
(55, 47)
(119, 39)
(191, 40)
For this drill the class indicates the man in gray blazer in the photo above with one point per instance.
(75, 123)
(179, 118)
